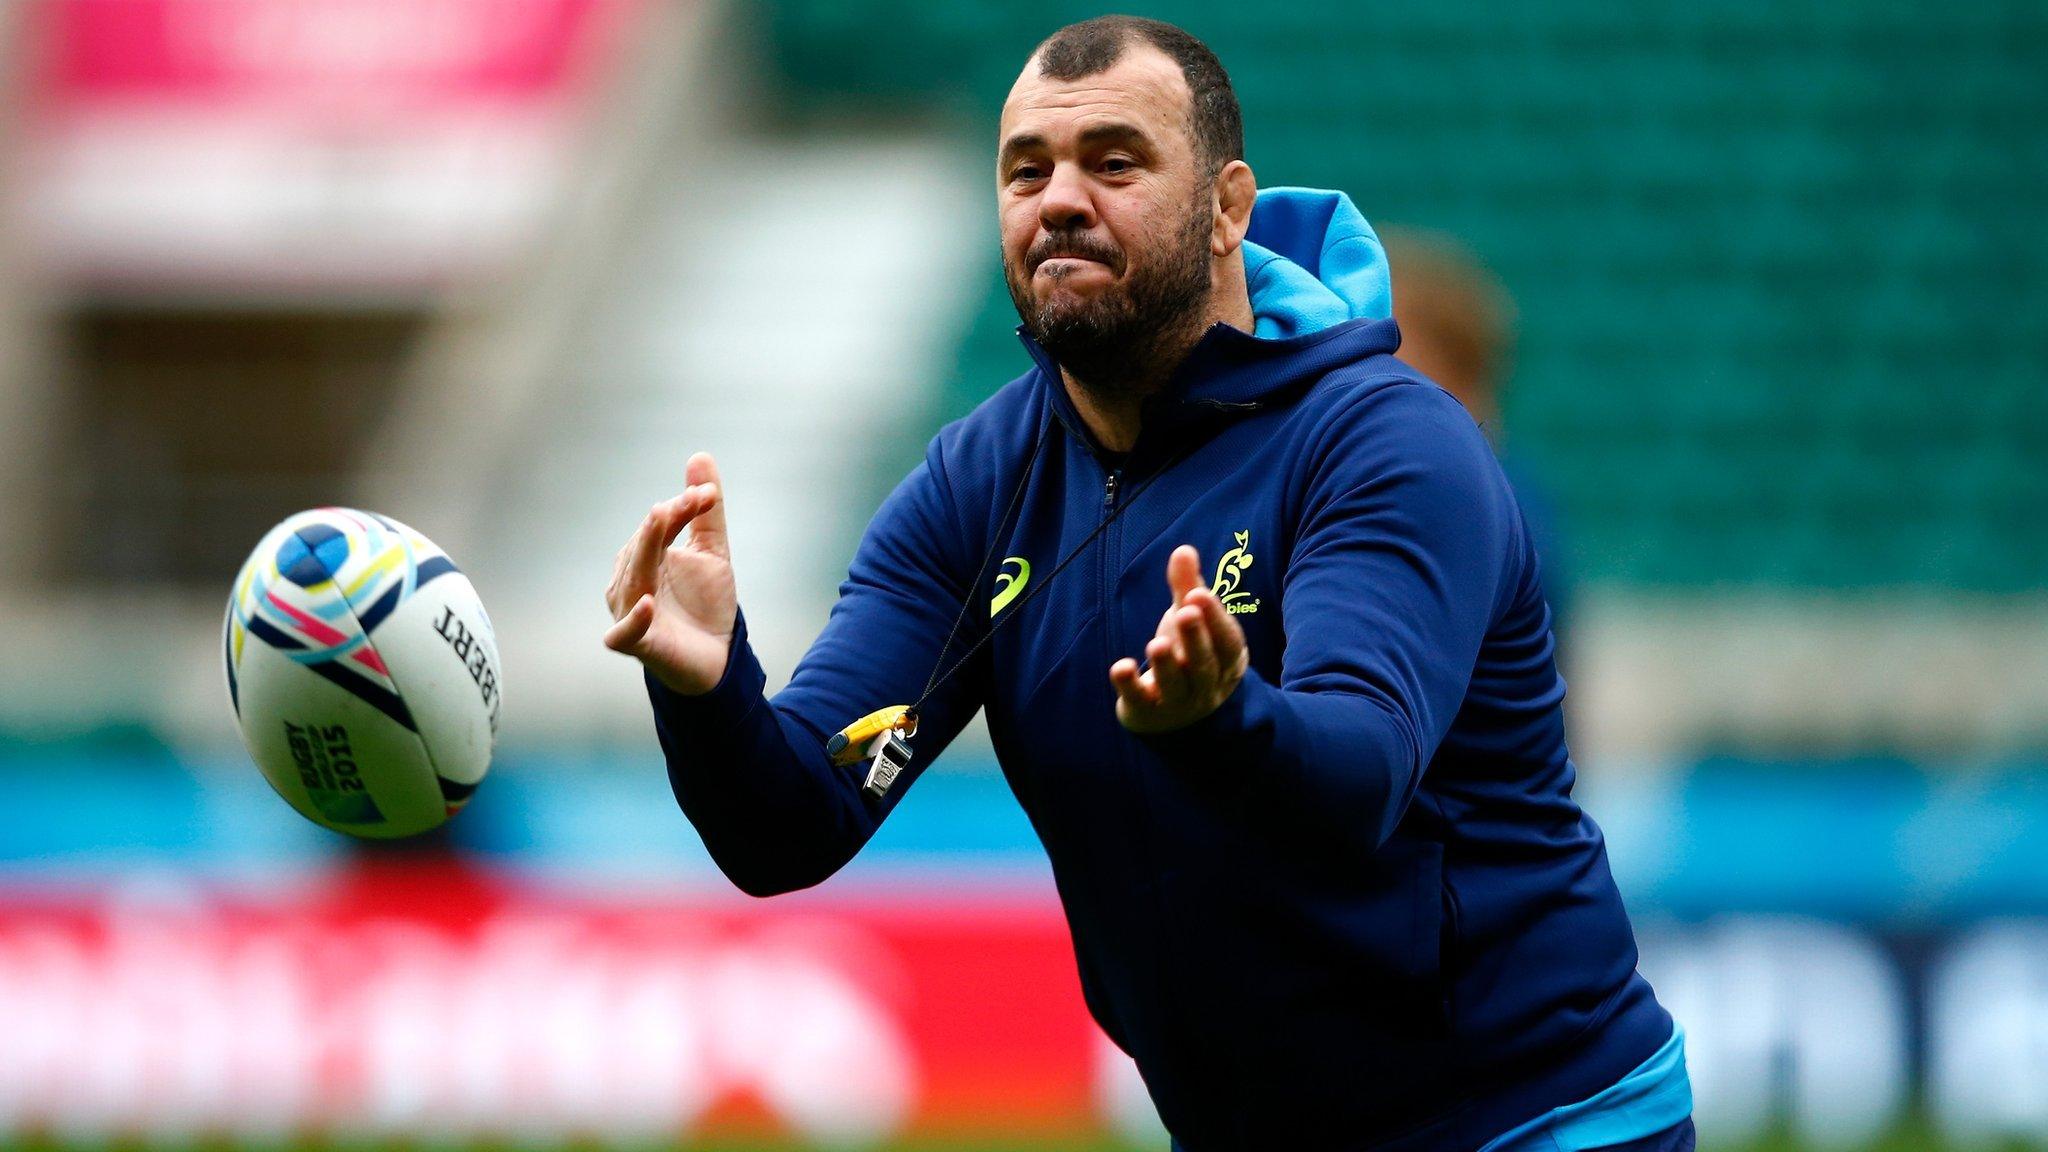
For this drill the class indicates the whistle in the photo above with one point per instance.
(889, 755)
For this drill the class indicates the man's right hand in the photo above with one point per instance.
(673, 604)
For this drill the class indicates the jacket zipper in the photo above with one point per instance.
(1135, 788)
(1107, 583)
(1106, 572)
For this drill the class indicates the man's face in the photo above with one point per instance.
(1106, 215)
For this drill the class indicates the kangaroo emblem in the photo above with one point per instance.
(1230, 573)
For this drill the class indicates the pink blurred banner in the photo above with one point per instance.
(325, 145)
(427, 1000)
(373, 53)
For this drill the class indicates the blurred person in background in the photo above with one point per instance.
(1318, 851)
(1458, 328)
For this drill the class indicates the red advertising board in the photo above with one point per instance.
(429, 1001)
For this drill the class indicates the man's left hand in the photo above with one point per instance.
(1192, 664)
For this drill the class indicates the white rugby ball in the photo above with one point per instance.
(363, 672)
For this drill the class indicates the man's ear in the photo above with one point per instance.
(1235, 190)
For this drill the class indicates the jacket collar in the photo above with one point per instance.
(1229, 373)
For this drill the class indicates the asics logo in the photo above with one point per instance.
(1009, 584)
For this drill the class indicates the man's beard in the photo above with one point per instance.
(1125, 341)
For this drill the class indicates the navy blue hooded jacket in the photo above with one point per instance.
(1355, 907)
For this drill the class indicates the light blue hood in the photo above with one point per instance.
(1311, 261)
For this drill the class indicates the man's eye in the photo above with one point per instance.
(1025, 172)
(1116, 165)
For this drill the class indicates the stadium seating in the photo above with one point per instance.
(1782, 278)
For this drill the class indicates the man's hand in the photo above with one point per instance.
(1194, 662)
(673, 605)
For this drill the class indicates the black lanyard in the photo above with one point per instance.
(939, 677)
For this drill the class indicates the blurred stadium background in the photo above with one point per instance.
(1779, 383)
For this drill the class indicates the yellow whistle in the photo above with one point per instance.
(849, 744)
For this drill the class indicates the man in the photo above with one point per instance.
(1309, 811)
(1458, 329)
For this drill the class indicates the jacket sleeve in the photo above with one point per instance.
(1404, 550)
(752, 774)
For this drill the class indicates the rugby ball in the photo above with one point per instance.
(363, 672)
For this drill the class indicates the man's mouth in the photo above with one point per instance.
(1060, 266)
(1076, 253)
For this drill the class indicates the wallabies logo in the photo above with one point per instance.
(1230, 573)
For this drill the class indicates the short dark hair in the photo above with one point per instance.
(1093, 46)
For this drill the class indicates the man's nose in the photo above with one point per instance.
(1065, 204)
